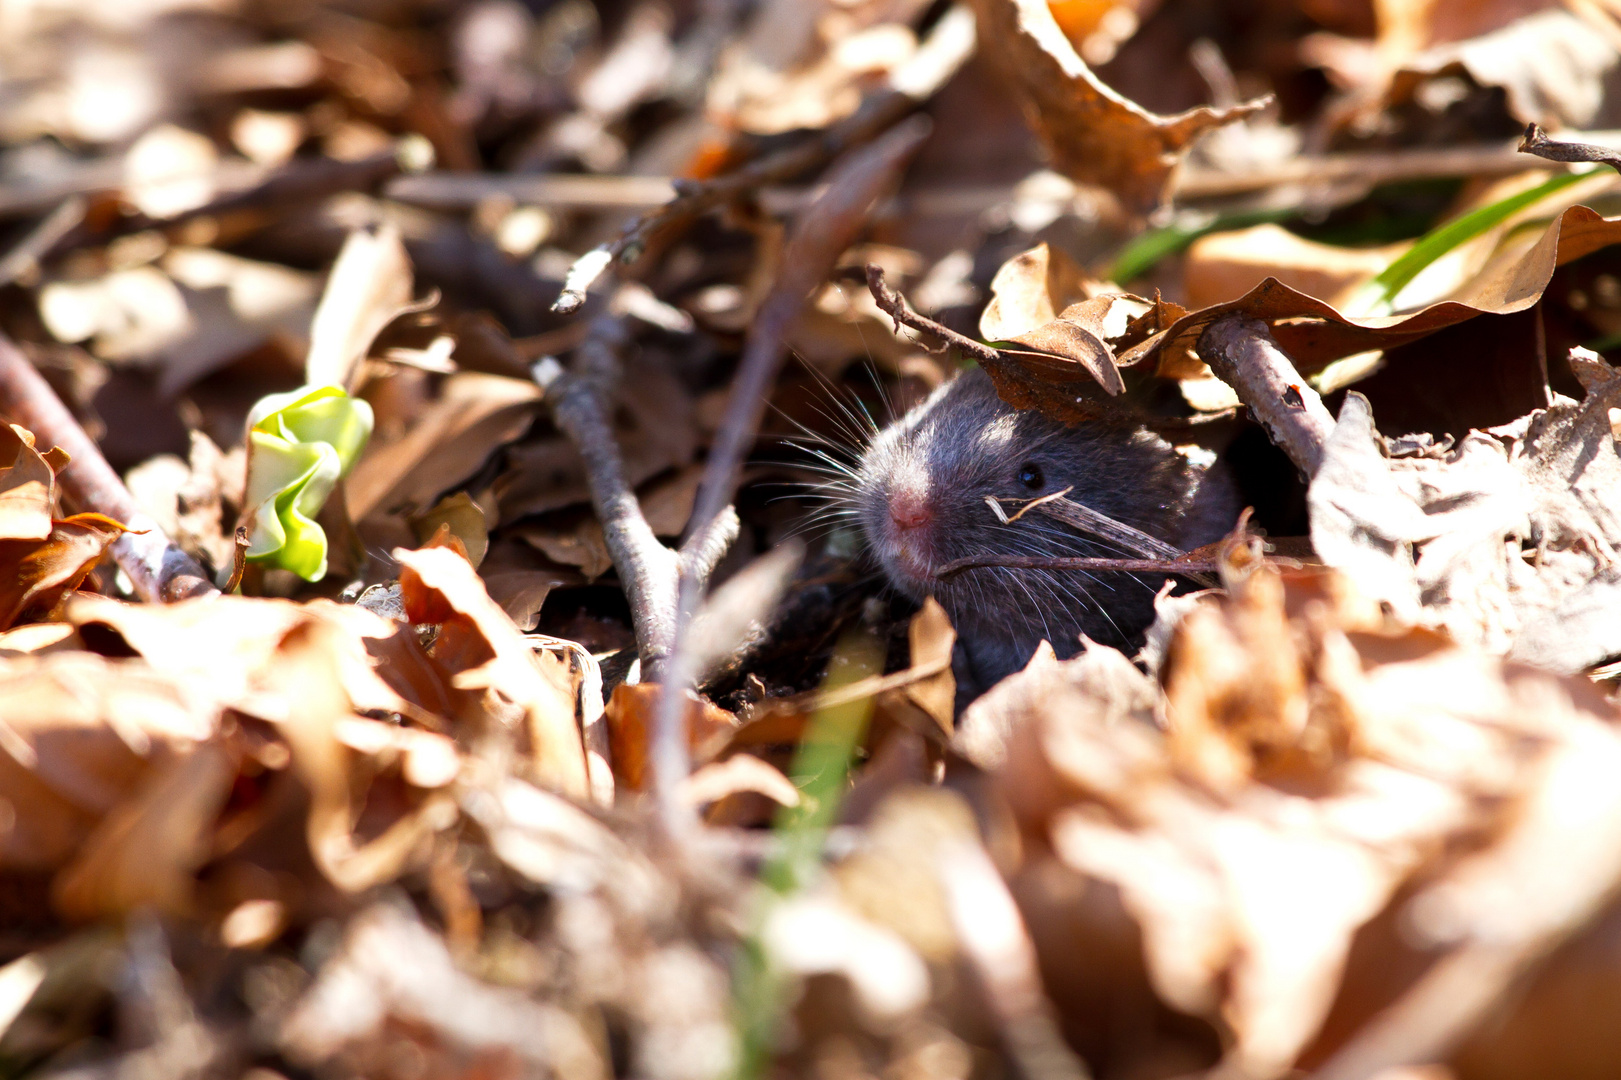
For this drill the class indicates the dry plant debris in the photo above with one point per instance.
(586, 742)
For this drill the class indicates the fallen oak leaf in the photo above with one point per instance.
(1094, 134)
(36, 575)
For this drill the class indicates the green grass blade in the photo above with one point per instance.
(1141, 254)
(1378, 296)
(821, 772)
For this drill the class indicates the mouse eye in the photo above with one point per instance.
(1030, 476)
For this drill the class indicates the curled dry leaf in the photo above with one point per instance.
(1313, 332)
(1554, 66)
(390, 967)
(1094, 134)
(42, 558)
(147, 851)
(630, 714)
(226, 647)
(369, 287)
(306, 678)
(1066, 347)
(1507, 541)
(446, 444)
(1226, 265)
(489, 653)
(1313, 760)
(38, 575)
(27, 486)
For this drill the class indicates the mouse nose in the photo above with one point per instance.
(909, 509)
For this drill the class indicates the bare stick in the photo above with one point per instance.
(26, 255)
(581, 404)
(831, 225)
(157, 569)
(1536, 142)
(1096, 523)
(1360, 171)
(940, 56)
(1243, 355)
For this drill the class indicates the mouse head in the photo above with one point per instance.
(923, 484)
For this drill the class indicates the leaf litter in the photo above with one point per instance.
(567, 768)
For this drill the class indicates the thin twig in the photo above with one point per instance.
(1365, 170)
(1078, 515)
(582, 404)
(1242, 353)
(297, 181)
(1536, 143)
(826, 230)
(26, 255)
(894, 305)
(940, 56)
(158, 570)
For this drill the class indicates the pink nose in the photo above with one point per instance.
(909, 509)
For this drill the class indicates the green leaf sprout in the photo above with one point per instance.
(300, 444)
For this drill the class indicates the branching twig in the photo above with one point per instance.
(1243, 355)
(831, 225)
(1004, 365)
(582, 404)
(937, 59)
(894, 305)
(157, 569)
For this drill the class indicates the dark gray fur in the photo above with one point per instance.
(964, 443)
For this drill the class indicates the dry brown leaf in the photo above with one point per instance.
(1030, 289)
(630, 714)
(473, 415)
(491, 655)
(145, 854)
(1225, 265)
(1093, 133)
(1314, 332)
(393, 982)
(465, 520)
(82, 735)
(225, 647)
(1352, 762)
(1553, 62)
(1440, 537)
(27, 487)
(35, 576)
(370, 286)
(306, 677)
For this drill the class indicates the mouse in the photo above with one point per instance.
(919, 497)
